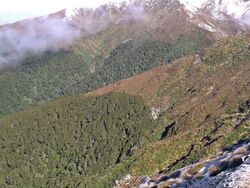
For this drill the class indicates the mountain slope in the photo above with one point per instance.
(71, 138)
(51, 75)
(88, 58)
(165, 81)
(221, 9)
(193, 95)
(228, 168)
(197, 105)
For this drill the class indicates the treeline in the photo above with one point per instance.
(135, 57)
(71, 137)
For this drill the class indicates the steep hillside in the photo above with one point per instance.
(71, 138)
(197, 98)
(183, 111)
(205, 84)
(229, 168)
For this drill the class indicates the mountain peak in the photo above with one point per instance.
(235, 8)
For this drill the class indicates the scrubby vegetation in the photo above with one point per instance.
(210, 109)
(231, 49)
(72, 137)
(178, 151)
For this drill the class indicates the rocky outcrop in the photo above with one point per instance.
(230, 168)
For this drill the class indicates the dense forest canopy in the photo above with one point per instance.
(76, 136)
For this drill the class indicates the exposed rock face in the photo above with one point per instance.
(239, 178)
(122, 181)
(197, 60)
(230, 168)
(155, 112)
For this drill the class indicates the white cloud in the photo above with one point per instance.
(13, 10)
(195, 3)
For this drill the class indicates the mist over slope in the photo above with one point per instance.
(127, 47)
(36, 38)
(60, 30)
(63, 54)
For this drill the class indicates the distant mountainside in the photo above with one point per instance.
(80, 50)
(157, 37)
(211, 12)
(180, 112)
(238, 9)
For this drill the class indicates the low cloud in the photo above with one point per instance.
(35, 37)
(245, 19)
(55, 33)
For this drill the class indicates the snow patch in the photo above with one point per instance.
(191, 5)
(207, 27)
(70, 13)
(238, 9)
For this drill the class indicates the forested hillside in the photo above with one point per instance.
(41, 78)
(72, 137)
(199, 104)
